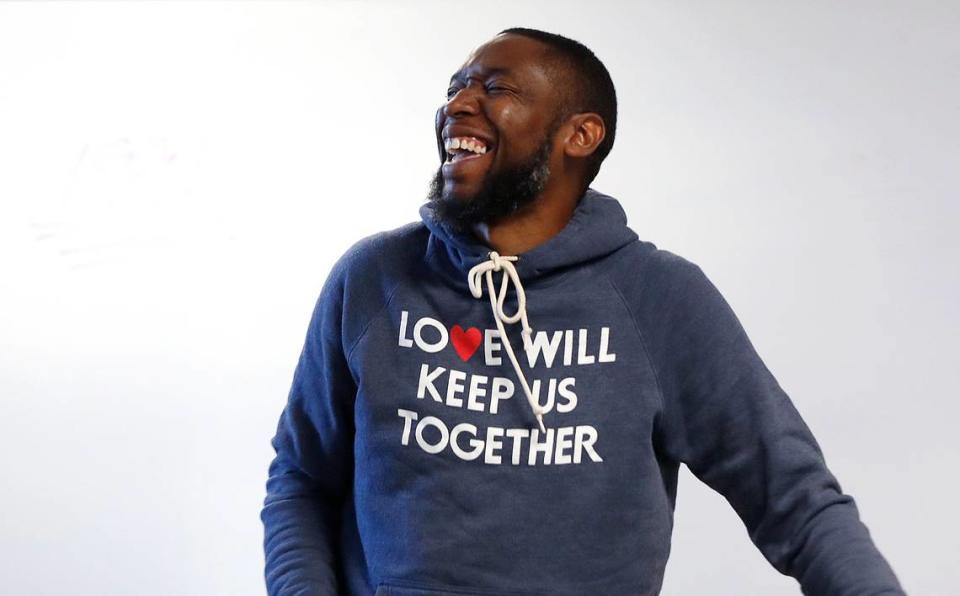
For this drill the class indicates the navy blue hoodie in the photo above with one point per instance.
(439, 439)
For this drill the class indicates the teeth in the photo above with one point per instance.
(465, 144)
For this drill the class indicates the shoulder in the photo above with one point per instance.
(384, 247)
(646, 269)
(367, 274)
(666, 292)
(378, 260)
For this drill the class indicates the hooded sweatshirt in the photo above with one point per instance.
(464, 422)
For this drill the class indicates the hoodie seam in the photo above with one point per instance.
(643, 341)
(363, 333)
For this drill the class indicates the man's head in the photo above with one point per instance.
(537, 109)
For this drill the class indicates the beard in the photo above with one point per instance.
(500, 195)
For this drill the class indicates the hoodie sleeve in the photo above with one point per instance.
(727, 418)
(310, 476)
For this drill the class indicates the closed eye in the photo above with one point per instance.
(454, 90)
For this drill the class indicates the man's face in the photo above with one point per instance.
(502, 104)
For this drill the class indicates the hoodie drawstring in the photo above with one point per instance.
(496, 263)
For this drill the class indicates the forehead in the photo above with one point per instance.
(511, 54)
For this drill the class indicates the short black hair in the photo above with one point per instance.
(590, 88)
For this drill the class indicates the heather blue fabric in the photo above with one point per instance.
(404, 465)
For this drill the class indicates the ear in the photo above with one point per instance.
(586, 132)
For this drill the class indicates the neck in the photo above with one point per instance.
(533, 225)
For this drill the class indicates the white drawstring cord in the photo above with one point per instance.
(496, 263)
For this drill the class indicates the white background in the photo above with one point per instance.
(177, 178)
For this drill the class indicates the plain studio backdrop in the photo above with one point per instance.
(177, 178)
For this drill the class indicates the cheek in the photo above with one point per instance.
(513, 124)
(518, 133)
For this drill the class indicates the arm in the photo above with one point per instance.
(727, 418)
(311, 473)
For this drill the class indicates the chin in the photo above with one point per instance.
(459, 194)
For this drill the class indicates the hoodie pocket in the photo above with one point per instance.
(398, 588)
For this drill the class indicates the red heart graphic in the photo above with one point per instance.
(465, 342)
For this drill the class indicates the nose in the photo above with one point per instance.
(463, 102)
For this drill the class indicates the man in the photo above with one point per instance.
(422, 451)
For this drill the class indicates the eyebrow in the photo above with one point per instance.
(459, 76)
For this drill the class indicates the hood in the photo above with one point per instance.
(597, 227)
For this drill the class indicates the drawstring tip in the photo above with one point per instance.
(540, 422)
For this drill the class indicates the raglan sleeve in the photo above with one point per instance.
(309, 477)
(726, 417)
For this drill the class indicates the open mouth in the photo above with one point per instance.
(461, 149)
